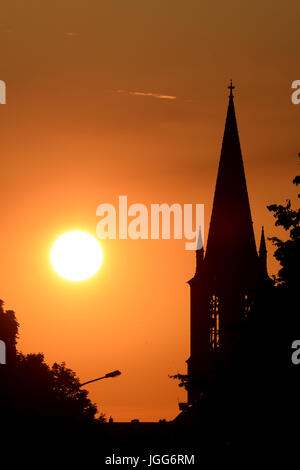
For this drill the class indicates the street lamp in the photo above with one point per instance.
(115, 373)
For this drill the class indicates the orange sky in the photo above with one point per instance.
(71, 140)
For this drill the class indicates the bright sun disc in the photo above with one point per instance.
(76, 256)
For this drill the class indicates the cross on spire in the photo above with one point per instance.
(231, 87)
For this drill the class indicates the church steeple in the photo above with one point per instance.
(230, 275)
(262, 246)
(231, 245)
(199, 253)
(263, 255)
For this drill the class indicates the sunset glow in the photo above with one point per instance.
(76, 256)
(110, 99)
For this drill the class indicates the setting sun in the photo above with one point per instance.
(76, 256)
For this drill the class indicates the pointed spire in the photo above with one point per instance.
(199, 257)
(262, 246)
(231, 248)
(199, 252)
(200, 239)
(263, 256)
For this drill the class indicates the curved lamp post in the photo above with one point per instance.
(115, 373)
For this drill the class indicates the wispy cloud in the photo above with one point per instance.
(159, 96)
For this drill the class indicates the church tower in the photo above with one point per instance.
(231, 271)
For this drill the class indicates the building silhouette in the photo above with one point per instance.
(230, 274)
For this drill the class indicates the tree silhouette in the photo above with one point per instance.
(31, 389)
(51, 393)
(287, 252)
(9, 328)
(72, 398)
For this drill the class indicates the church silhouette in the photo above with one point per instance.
(234, 384)
(230, 275)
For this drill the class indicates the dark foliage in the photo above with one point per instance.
(33, 392)
(287, 252)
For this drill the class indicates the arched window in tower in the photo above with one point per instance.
(248, 305)
(214, 323)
